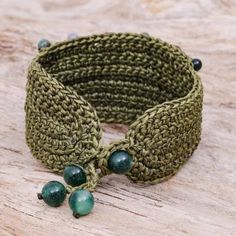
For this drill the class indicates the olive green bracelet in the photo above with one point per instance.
(133, 79)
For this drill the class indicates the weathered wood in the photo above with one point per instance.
(201, 198)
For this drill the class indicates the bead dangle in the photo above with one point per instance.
(81, 201)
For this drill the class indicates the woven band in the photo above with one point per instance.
(132, 79)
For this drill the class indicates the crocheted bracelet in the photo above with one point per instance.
(133, 79)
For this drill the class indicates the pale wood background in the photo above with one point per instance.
(201, 198)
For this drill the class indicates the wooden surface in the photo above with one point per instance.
(201, 198)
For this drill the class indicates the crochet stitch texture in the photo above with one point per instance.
(133, 79)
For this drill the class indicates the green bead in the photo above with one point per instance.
(74, 175)
(53, 193)
(197, 64)
(120, 162)
(43, 43)
(81, 202)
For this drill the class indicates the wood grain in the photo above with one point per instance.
(201, 198)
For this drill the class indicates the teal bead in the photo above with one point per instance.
(81, 202)
(74, 175)
(43, 43)
(53, 193)
(197, 64)
(120, 162)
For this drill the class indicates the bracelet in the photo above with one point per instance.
(133, 79)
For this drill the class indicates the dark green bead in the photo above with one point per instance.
(81, 202)
(74, 175)
(120, 162)
(197, 64)
(53, 193)
(43, 43)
